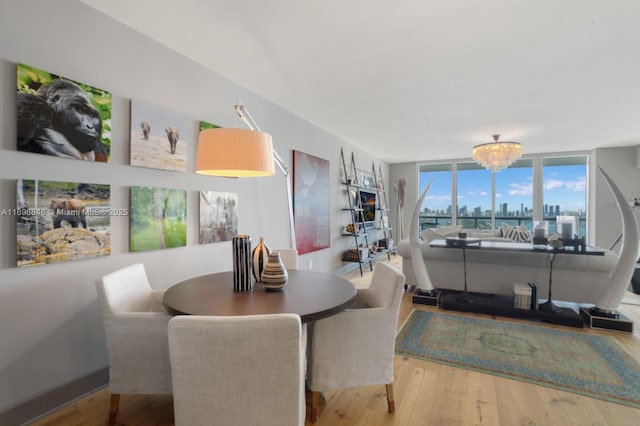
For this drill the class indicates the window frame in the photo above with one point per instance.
(538, 189)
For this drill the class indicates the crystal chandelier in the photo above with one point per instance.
(495, 156)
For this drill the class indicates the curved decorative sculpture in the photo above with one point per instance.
(419, 267)
(620, 276)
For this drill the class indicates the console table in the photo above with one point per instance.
(500, 304)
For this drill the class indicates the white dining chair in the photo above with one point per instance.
(356, 347)
(135, 326)
(289, 257)
(237, 370)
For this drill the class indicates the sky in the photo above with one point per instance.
(563, 185)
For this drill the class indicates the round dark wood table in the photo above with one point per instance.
(310, 294)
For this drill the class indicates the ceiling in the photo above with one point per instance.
(421, 79)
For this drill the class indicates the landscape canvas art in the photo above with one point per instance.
(62, 221)
(158, 137)
(61, 117)
(311, 202)
(204, 125)
(218, 216)
(158, 218)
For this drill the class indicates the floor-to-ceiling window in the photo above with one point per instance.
(565, 190)
(437, 207)
(514, 194)
(483, 200)
(474, 195)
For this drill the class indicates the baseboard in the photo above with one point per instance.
(50, 401)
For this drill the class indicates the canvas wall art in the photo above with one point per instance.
(158, 218)
(159, 137)
(218, 216)
(311, 202)
(61, 117)
(204, 125)
(62, 221)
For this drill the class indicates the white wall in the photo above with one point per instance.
(49, 319)
(620, 165)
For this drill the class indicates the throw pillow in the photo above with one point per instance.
(516, 233)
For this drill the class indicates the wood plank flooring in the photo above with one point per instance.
(425, 393)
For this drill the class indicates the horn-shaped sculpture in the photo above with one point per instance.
(419, 267)
(620, 276)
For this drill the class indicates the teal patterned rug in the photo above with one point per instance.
(575, 362)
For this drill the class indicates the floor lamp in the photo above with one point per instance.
(232, 152)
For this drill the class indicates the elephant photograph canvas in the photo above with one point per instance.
(62, 221)
(159, 137)
(218, 216)
(61, 117)
(158, 218)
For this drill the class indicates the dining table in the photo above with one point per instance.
(311, 294)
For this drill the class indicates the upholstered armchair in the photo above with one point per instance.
(242, 370)
(356, 347)
(289, 257)
(135, 326)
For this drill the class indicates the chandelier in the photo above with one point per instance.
(495, 156)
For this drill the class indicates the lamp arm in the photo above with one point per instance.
(251, 124)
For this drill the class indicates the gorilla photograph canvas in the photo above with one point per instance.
(60, 117)
(62, 221)
(158, 218)
(159, 137)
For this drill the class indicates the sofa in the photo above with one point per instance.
(576, 278)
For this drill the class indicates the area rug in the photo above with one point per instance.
(581, 363)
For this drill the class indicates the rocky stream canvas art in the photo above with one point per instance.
(62, 221)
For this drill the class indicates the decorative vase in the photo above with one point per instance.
(274, 274)
(241, 246)
(259, 257)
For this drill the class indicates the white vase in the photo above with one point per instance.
(274, 274)
(259, 257)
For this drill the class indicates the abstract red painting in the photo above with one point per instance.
(310, 202)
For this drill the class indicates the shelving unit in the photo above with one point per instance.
(360, 226)
(386, 232)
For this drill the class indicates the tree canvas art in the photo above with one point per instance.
(158, 218)
(218, 216)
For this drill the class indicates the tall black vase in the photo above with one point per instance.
(241, 245)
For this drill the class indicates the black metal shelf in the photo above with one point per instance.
(383, 231)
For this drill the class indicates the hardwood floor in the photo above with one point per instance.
(425, 393)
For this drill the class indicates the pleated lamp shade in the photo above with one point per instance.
(234, 153)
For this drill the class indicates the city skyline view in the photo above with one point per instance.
(564, 190)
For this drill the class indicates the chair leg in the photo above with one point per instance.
(391, 403)
(113, 410)
(315, 406)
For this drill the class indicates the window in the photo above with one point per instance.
(474, 195)
(514, 194)
(483, 201)
(436, 210)
(564, 190)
